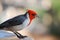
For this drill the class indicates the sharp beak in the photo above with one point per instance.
(37, 16)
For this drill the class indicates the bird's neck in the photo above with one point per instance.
(30, 22)
(29, 18)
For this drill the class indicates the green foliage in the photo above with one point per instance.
(56, 8)
(56, 5)
(55, 27)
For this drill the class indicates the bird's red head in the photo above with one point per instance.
(32, 14)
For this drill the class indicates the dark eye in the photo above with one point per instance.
(33, 14)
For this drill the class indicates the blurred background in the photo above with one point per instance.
(48, 10)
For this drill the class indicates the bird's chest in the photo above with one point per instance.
(23, 25)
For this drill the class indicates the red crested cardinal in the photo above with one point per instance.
(19, 22)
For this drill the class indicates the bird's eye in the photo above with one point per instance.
(33, 14)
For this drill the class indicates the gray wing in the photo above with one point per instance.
(13, 22)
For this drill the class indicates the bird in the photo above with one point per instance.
(19, 22)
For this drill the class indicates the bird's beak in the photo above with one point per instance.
(37, 16)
